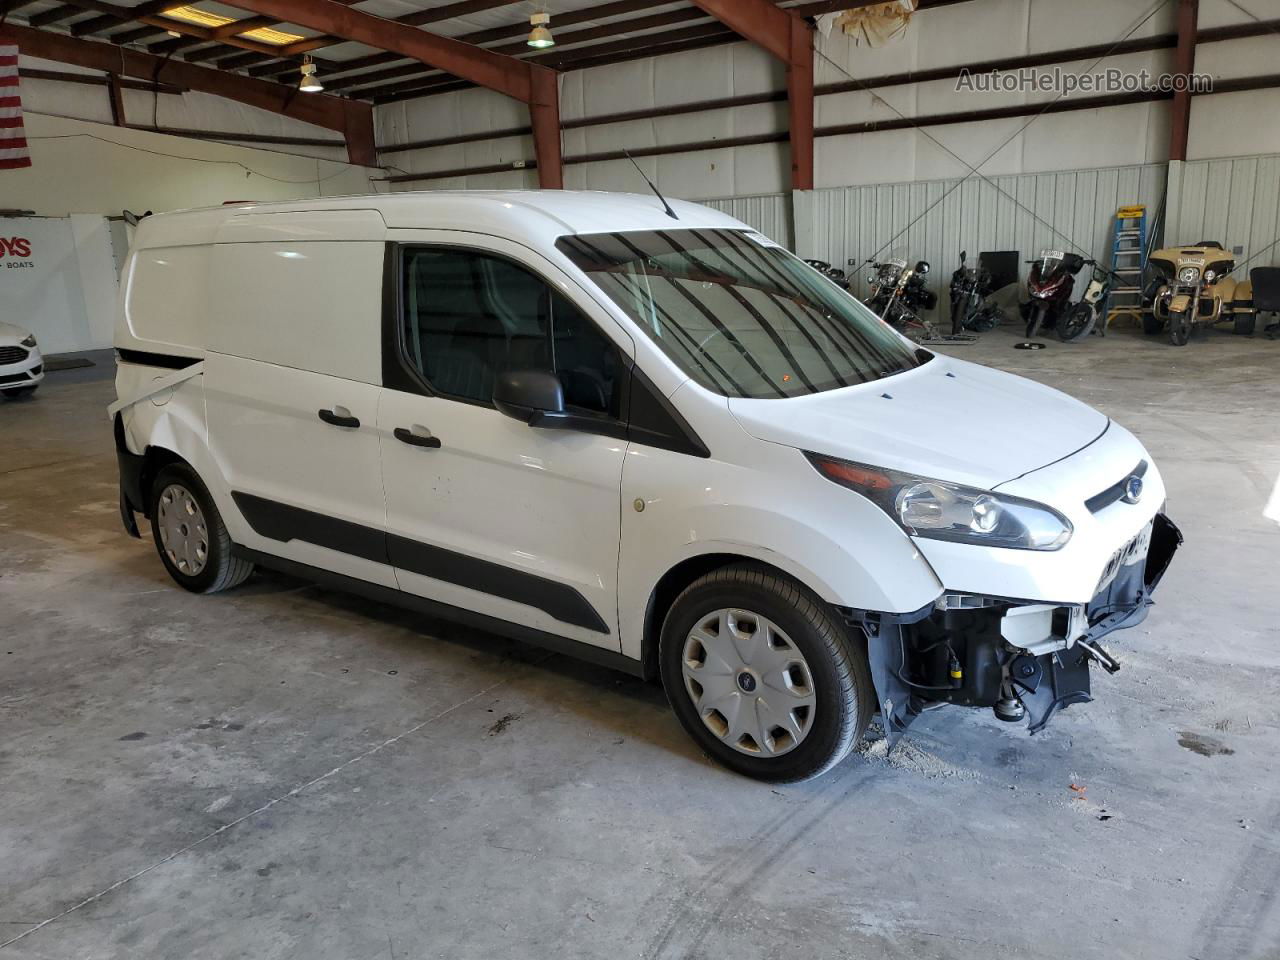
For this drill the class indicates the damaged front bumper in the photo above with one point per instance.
(1020, 658)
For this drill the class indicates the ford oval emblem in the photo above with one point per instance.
(1133, 490)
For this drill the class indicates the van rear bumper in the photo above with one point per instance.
(131, 467)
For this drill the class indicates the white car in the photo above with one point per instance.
(655, 440)
(21, 366)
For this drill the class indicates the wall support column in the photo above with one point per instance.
(544, 112)
(1184, 64)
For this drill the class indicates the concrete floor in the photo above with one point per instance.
(284, 771)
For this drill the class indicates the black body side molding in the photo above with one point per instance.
(444, 611)
(278, 521)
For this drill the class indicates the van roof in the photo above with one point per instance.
(526, 215)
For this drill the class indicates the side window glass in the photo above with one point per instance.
(470, 316)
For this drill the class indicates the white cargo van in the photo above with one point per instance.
(652, 439)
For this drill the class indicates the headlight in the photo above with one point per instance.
(1189, 274)
(1209, 276)
(949, 511)
(30, 341)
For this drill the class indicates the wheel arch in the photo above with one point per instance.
(674, 582)
(138, 471)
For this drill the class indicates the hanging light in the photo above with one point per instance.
(540, 36)
(310, 82)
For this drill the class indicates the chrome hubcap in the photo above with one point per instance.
(750, 684)
(183, 533)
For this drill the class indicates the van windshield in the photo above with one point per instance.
(739, 314)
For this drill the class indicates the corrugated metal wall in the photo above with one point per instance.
(1027, 213)
(770, 213)
(1237, 203)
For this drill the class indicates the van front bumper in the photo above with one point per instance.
(1023, 659)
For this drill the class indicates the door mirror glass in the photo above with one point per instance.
(529, 395)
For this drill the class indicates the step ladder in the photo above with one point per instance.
(1129, 249)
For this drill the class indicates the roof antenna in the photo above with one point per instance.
(670, 213)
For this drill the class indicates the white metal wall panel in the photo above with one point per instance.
(1237, 203)
(768, 213)
(937, 219)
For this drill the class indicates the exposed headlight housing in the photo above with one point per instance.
(30, 341)
(1188, 274)
(939, 510)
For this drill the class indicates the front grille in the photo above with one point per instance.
(12, 355)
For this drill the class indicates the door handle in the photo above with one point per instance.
(416, 439)
(338, 419)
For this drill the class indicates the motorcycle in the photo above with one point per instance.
(898, 295)
(1081, 317)
(834, 274)
(1193, 286)
(1052, 278)
(971, 309)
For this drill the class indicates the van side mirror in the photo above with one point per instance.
(529, 395)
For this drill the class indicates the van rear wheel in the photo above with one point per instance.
(189, 534)
(763, 676)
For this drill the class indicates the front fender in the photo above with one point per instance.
(779, 511)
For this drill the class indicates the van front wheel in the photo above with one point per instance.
(189, 534)
(763, 676)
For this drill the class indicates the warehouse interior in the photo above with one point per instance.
(287, 769)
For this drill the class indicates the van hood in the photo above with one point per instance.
(946, 420)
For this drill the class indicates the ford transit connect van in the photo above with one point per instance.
(662, 443)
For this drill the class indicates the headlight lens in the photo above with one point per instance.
(30, 341)
(950, 511)
(1209, 276)
(1189, 274)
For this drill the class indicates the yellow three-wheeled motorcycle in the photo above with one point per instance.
(1193, 286)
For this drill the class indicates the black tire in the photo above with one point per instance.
(844, 697)
(1036, 318)
(1244, 324)
(220, 570)
(1180, 328)
(1151, 324)
(13, 393)
(1077, 323)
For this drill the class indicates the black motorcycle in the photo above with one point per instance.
(834, 274)
(971, 306)
(898, 295)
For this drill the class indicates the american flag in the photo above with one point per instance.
(13, 137)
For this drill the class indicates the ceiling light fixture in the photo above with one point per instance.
(310, 82)
(203, 18)
(540, 36)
